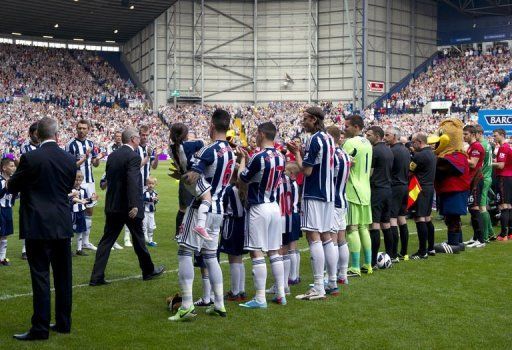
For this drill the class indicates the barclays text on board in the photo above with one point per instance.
(495, 119)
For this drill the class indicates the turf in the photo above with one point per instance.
(450, 301)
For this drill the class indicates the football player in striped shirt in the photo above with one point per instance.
(150, 202)
(263, 175)
(86, 157)
(341, 173)
(6, 202)
(31, 144)
(217, 163)
(318, 201)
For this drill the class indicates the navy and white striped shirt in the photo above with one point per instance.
(263, 174)
(217, 163)
(184, 152)
(320, 156)
(286, 202)
(232, 204)
(150, 201)
(145, 169)
(78, 149)
(342, 171)
(6, 199)
(27, 147)
(82, 194)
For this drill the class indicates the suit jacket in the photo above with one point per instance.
(124, 182)
(44, 178)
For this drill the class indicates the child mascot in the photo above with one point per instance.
(452, 181)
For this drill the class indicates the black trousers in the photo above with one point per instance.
(113, 226)
(41, 254)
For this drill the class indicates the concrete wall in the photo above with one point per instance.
(282, 29)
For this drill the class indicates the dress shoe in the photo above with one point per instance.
(54, 328)
(30, 336)
(98, 283)
(156, 272)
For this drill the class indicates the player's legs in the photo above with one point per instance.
(203, 193)
(294, 254)
(145, 225)
(23, 250)
(3, 251)
(236, 266)
(91, 189)
(486, 217)
(504, 208)
(404, 237)
(186, 281)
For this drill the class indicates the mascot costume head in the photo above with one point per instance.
(452, 181)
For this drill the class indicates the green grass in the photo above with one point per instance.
(450, 301)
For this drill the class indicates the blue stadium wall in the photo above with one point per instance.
(454, 28)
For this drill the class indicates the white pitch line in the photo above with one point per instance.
(128, 278)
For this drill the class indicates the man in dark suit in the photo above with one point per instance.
(124, 206)
(44, 179)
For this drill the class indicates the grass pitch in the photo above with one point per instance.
(448, 301)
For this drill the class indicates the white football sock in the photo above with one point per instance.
(3, 249)
(202, 213)
(276, 263)
(331, 262)
(317, 264)
(235, 276)
(343, 260)
(215, 274)
(241, 280)
(207, 289)
(186, 276)
(150, 235)
(126, 234)
(259, 272)
(286, 266)
(293, 265)
(79, 240)
(297, 271)
(24, 248)
(88, 225)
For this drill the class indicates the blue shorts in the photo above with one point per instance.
(232, 236)
(79, 225)
(453, 203)
(295, 233)
(6, 225)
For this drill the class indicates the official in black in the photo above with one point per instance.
(423, 165)
(399, 193)
(44, 179)
(124, 206)
(380, 183)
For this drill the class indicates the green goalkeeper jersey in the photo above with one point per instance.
(358, 185)
(487, 164)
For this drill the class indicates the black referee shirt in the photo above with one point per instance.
(424, 166)
(401, 162)
(382, 162)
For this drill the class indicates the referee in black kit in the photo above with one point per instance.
(380, 183)
(423, 165)
(399, 193)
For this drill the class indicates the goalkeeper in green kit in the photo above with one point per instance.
(488, 232)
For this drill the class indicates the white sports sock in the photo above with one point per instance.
(24, 248)
(241, 280)
(286, 266)
(79, 240)
(88, 225)
(331, 262)
(317, 264)
(127, 237)
(3, 249)
(297, 271)
(186, 276)
(150, 235)
(259, 272)
(276, 263)
(235, 276)
(207, 288)
(343, 260)
(202, 213)
(293, 265)
(215, 274)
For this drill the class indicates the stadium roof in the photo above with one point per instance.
(478, 8)
(90, 20)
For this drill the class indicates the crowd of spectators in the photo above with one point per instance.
(470, 80)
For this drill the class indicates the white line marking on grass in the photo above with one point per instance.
(128, 278)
